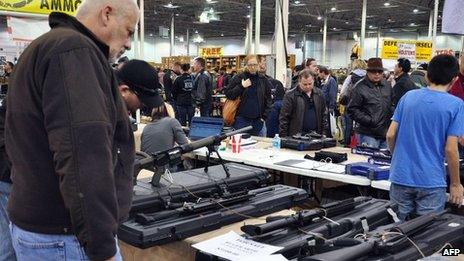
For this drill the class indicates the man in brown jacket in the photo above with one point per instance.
(303, 109)
(69, 138)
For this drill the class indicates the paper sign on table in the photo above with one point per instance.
(278, 257)
(234, 247)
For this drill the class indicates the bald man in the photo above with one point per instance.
(69, 137)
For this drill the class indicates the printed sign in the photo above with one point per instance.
(40, 6)
(412, 50)
(211, 52)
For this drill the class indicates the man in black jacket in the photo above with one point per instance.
(182, 94)
(254, 92)
(202, 92)
(68, 133)
(303, 109)
(371, 107)
(403, 81)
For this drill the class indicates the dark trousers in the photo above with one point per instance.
(185, 114)
(348, 129)
(241, 122)
(205, 109)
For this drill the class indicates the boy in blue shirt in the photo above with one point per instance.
(423, 134)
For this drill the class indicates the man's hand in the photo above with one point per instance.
(456, 194)
(246, 83)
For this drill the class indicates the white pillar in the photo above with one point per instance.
(142, 30)
(378, 43)
(435, 25)
(188, 42)
(363, 28)
(281, 37)
(172, 34)
(324, 42)
(430, 24)
(250, 31)
(136, 42)
(258, 26)
(303, 48)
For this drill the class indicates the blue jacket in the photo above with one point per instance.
(272, 122)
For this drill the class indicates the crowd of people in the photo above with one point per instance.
(67, 145)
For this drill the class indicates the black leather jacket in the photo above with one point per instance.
(371, 108)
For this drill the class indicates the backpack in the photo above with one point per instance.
(345, 99)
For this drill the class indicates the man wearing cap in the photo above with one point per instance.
(139, 86)
(69, 138)
(371, 107)
(403, 82)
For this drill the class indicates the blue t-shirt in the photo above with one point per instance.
(425, 119)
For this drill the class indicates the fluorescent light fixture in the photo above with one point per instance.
(171, 6)
(386, 4)
(412, 24)
(319, 18)
(333, 9)
(347, 22)
(248, 16)
(297, 2)
(370, 26)
(415, 11)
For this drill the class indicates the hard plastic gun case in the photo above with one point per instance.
(148, 198)
(303, 238)
(444, 231)
(261, 202)
(368, 170)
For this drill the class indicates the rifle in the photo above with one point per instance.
(379, 241)
(207, 204)
(304, 217)
(160, 159)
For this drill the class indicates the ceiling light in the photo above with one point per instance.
(412, 24)
(248, 16)
(297, 2)
(334, 28)
(370, 26)
(151, 35)
(196, 31)
(319, 18)
(347, 22)
(177, 14)
(308, 25)
(333, 9)
(222, 35)
(249, 7)
(171, 6)
(415, 11)
(387, 4)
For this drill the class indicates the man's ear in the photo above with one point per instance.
(105, 14)
(123, 88)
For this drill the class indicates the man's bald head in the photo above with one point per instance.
(112, 21)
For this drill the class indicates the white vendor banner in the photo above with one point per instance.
(407, 50)
(26, 29)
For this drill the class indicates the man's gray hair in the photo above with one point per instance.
(122, 7)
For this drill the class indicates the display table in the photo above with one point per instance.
(265, 157)
(182, 250)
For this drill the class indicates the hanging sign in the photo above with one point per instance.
(412, 50)
(211, 52)
(40, 6)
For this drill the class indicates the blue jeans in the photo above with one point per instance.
(348, 130)
(364, 140)
(6, 248)
(185, 114)
(257, 124)
(35, 246)
(417, 201)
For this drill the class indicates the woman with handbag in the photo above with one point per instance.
(254, 94)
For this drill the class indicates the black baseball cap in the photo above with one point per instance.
(142, 79)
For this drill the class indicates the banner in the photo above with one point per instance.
(26, 29)
(453, 11)
(40, 6)
(420, 51)
(211, 52)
